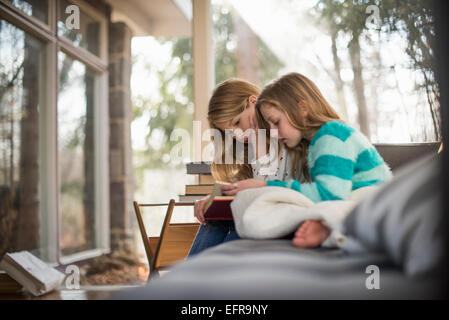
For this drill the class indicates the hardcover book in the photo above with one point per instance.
(198, 167)
(31, 272)
(190, 197)
(199, 189)
(206, 178)
(220, 209)
(218, 206)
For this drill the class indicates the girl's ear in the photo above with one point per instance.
(252, 99)
(303, 109)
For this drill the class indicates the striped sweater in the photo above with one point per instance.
(341, 159)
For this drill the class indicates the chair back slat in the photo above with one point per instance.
(153, 243)
(176, 244)
(143, 233)
(175, 239)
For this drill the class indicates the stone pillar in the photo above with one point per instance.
(120, 151)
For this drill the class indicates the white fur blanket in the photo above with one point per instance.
(275, 212)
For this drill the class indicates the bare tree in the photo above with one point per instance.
(339, 84)
(28, 220)
(359, 85)
(247, 51)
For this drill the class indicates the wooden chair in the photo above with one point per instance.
(174, 241)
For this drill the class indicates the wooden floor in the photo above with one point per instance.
(84, 293)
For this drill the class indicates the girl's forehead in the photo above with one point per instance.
(223, 125)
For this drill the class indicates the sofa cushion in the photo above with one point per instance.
(397, 155)
(404, 218)
(275, 269)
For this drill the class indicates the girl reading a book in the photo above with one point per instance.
(332, 159)
(233, 107)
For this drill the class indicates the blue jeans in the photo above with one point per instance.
(212, 234)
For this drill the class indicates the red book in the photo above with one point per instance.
(219, 209)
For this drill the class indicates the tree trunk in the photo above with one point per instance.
(8, 219)
(339, 84)
(247, 51)
(28, 220)
(359, 86)
(376, 89)
(89, 150)
(11, 145)
(89, 169)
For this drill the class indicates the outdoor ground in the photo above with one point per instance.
(119, 268)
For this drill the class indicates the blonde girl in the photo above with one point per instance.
(233, 107)
(331, 158)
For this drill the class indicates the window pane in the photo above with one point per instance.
(76, 155)
(21, 69)
(87, 36)
(161, 82)
(33, 8)
(381, 82)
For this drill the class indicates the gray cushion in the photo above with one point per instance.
(398, 155)
(404, 219)
(275, 269)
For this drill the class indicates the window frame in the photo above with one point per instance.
(40, 23)
(48, 154)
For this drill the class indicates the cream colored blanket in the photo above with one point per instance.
(275, 212)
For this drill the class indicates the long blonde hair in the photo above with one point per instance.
(229, 99)
(287, 94)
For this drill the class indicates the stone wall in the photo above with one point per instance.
(120, 151)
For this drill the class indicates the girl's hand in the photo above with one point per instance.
(198, 209)
(233, 188)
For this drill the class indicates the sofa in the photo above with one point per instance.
(397, 252)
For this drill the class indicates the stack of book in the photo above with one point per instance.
(206, 181)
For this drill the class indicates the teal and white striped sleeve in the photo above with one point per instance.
(325, 185)
(332, 161)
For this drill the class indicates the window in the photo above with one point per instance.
(21, 98)
(76, 155)
(34, 8)
(88, 34)
(53, 130)
(380, 83)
